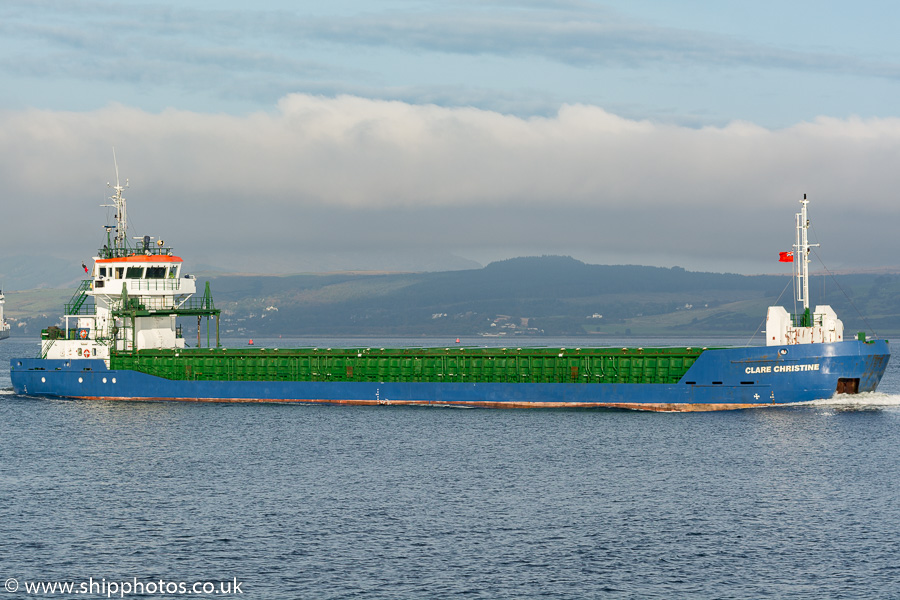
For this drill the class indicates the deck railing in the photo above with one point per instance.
(107, 252)
(78, 304)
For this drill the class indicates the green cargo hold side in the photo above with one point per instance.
(473, 365)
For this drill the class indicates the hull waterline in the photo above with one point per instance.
(720, 379)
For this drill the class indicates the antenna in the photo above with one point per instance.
(801, 259)
(118, 202)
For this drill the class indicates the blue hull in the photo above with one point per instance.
(720, 379)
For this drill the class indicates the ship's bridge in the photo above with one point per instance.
(156, 269)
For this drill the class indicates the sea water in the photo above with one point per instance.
(182, 500)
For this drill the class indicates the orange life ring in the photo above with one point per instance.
(87, 353)
(83, 334)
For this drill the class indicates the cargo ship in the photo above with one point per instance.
(120, 339)
(4, 326)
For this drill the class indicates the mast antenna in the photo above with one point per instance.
(118, 202)
(801, 260)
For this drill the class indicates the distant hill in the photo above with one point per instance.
(24, 272)
(546, 295)
(549, 295)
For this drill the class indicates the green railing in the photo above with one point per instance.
(45, 348)
(76, 306)
(203, 303)
(151, 250)
(807, 319)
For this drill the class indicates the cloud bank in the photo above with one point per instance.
(350, 174)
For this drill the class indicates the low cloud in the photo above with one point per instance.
(351, 172)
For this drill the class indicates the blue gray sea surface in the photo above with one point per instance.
(295, 501)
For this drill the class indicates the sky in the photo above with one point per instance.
(279, 136)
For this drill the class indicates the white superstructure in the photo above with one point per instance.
(4, 326)
(820, 326)
(131, 300)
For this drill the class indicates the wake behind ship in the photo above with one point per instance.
(120, 340)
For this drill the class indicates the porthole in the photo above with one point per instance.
(783, 351)
(43, 380)
(114, 379)
(80, 380)
(104, 380)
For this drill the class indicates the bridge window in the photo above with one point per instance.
(156, 272)
(134, 273)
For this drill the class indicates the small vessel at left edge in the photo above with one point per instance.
(120, 339)
(4, 326)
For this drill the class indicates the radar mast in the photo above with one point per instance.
(801, 260)
(118, 202)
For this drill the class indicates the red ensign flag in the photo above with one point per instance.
(785, 257)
